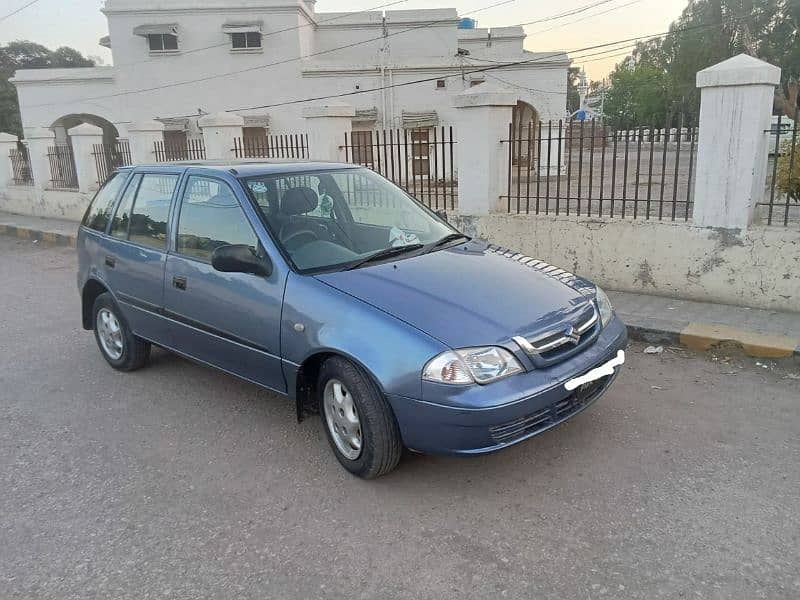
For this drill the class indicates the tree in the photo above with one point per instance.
(573, 96)
(28, 55)
(707, 32)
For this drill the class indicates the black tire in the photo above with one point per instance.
(135, 351)
(381, 446)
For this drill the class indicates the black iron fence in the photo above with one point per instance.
(590, 169)
(108, 157)
(63, 175)
(191, 149)
(421, 161)
(21, 173)
(290, 145)
(782, 199)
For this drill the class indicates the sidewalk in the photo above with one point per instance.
(654, 319)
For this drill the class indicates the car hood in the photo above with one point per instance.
(469, 295)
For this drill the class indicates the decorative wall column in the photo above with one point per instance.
(327, 125)
(219, 131)
(39, 140)
(84, 137)
(483, 115)
(736, 99)
(142, 137)
(8, 142)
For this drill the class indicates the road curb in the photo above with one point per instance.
(705, 336)
(49, 238)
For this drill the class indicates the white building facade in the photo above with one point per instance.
(268, 59)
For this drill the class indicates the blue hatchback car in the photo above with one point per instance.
(330, 285)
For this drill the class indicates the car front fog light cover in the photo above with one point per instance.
(604, 306)
(472, 365)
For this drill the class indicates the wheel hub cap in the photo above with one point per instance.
(110, 333)
(342, 419)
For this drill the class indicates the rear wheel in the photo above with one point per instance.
(358, 420)
(121, 349)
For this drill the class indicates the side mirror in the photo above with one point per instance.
(240, 259)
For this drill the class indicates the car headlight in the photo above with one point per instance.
(471, 365)
(604, 306)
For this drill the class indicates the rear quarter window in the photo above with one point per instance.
(99, 211)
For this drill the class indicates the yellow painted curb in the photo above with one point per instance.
(49, 237)
(702, 336)
(23, 233)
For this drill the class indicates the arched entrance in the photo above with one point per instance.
(63, 124)
(525, 123)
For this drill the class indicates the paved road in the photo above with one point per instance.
(181, 482)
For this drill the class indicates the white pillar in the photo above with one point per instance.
(39, 140)
(482, 117)
(142, 137)
(219, 131)
(327, 125)
(736, 98)
(8, 142)
(84, 137)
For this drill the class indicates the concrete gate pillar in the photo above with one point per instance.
(8, 142)
(219, 131)
(483, 115)
(142, 137)
(327, 125)
(39, 140)
(84, 137)
(736, 99)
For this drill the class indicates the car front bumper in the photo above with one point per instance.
(488, 418)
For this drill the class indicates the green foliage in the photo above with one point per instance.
(788, 176)
(573, 96)
(707, 32)
(28, 55)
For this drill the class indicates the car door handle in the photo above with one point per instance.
(179, 282)
(111, 262)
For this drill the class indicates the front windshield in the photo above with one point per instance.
(325, 220)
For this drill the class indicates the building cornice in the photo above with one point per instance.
(432, 69)
(182, 10)
(80, 75)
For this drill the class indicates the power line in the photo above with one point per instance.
(568, 13)
(482, 70)
(267, 65)
(20, 9)
(591, 16)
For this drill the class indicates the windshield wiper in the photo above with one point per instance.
(383, 254)
(447, 239)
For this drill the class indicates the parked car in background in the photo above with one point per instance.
(330, 285)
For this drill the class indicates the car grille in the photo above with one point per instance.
(550, 415)
(559, 344)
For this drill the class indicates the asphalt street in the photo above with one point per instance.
(178, 481)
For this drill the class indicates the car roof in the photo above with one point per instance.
(249, 168)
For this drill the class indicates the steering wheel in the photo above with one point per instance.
(297, 235)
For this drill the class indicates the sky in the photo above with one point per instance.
(80, 24)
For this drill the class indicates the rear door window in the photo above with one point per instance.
(150, 212)
(99, 212)
(122, 218)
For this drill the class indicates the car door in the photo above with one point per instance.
(229, 320)
(136, 250)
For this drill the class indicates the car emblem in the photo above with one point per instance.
(569, 333)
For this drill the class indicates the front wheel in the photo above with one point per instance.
(358, 421)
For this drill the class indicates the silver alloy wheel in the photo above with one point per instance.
(109, 332)
(342, 419)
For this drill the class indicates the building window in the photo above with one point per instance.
(246, 41)
(420, 152)
(475, 82)
(441, 84)
(162, 42)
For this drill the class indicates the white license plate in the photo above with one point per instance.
(603, 370)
